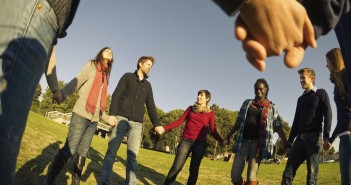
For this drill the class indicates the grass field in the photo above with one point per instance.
(43, 138)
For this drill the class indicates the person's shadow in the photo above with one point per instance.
(32, 171)
(95, 167)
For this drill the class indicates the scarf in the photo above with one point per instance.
(196, 108)
(95, 90)
(264, 105)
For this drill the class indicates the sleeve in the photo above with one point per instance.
(327, 113)
(116, 96)
(151, 108)
(276, 120)
(213, 129)
(179, 121)
(79, 80)
(50, 72)
(230, 7)
(325, 14)
(294, 127)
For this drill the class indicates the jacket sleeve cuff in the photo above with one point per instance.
(230, 7)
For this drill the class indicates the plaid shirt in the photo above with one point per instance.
(272, 124)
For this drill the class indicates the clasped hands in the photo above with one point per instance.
(271, 27)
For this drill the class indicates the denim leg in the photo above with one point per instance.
(253, 163)
(197, 153)
(27, 34)
(85, 143)
(295, 159)
(345, 159)
(133, 146)
(183, 151)
(239, 163)
(313, 151)
(117, 134)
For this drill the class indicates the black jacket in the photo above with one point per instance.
(130, 96)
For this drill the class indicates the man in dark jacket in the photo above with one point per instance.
(308, 131)
(131, 94)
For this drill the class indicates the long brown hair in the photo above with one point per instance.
(99, 59)
(336, 62)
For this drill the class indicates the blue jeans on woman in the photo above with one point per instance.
(197, 149)
(345, 159)
(28, 29)
(80, 134)
(308, 149)
(132, 130)
(247, 153)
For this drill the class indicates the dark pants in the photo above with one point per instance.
(198, 149)
(308, 149)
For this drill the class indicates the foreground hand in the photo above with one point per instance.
(271, 27)
(57, 97)
(112, 120)
(159, 130)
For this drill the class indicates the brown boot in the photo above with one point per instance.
(252, 182)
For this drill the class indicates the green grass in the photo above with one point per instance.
(42, 138)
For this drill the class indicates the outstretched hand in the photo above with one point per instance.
(271, 27)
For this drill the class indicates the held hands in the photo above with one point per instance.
(57, 97)
(326, 145)
(271, 27)
(159, 130)
(112, 120)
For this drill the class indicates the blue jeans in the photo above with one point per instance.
(80, 135)
(197, 149)
(308, 149)
(132, 130)
(345, 159)
(28, 29)
(247, 153)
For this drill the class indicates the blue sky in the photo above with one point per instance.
(194, 47)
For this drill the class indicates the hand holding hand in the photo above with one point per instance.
(271, 27)
(112, 120)
(159, 130)
(326, 145)
(57, 97)
(225, 142)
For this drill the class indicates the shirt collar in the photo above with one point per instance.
(314, 89)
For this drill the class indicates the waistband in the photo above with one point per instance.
(309, 135)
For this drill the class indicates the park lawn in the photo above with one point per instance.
(43, 137)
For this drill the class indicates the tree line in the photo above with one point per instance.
(225, 120)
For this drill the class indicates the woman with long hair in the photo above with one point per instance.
(335, 64)
(91, 84)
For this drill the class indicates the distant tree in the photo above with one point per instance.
(48, 105)
(36, 101)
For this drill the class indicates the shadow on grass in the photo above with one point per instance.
(32, 172)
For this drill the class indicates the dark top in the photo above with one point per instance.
(65, 11)
(130, 96)
(310, 110)
(252, 123)
(324, 14)
(342, 124)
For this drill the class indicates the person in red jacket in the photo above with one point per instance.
(198, 119)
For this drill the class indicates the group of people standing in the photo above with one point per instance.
(30, 31)
(255, 125)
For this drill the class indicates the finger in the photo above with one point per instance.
(258, 64)
(294, 56)
(308, 33)
(240, 29)
(254, 48)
